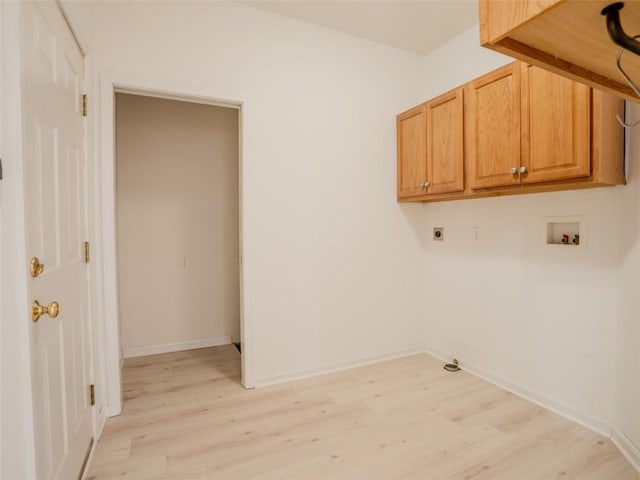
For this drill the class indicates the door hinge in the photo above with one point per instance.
(92, 394)
(85, 248)
(84, 105)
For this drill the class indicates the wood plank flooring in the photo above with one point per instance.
(186, 417)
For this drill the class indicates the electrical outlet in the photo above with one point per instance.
(438, 233)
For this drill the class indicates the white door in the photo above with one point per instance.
(55, 197)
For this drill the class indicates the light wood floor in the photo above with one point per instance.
(186, 417)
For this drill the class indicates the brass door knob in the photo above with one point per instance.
(38, 310)
(35, 267)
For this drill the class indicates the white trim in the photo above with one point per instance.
(16, 389)
(108, 240)
(592, 423)
(337, 367)
(110, 83)
(101, 411)
(175, 347)
(94, 281)
(626, 446)
(178, 98)
(94, 266)
(246, 356)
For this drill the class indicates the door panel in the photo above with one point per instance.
(44, 44)
(556, 119)
(412, 152)
(72, 202)
(445, 160)
(44, 166)
(55, 196)
(494, 127)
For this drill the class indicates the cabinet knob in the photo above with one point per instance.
(426, 184)
(513, 170)
(523, 169)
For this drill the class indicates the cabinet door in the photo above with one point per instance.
(412, 152)
(445, 160)
(494, 128)
(556, 119)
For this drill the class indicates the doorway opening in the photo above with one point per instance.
(110, 351)
(177, 211)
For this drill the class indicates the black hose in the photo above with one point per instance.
(616, 33)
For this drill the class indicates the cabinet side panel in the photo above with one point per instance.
(499, 17)
(607, 139)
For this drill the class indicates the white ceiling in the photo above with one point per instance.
(418, 26)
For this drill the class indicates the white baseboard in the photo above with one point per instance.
(336, 367)
(175, 347)
(592, 423)
(626, 446)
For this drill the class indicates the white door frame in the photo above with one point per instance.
(111, 83)
(17, 440)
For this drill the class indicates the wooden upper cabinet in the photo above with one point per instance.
(517, 129)
(430, 147)
(411, 128)
(568, 37)
(445, 155)
(493, 127)
(556, 123)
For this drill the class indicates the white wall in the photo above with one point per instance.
(333, 264)
(557, 324)
(627, 360)
(177, 199)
